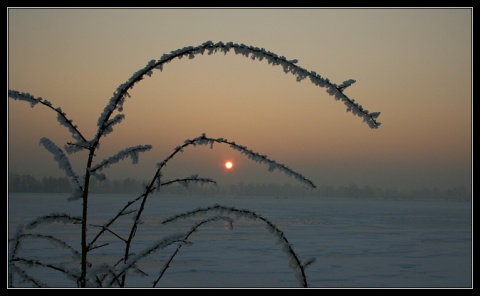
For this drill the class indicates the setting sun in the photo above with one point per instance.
(229, 165)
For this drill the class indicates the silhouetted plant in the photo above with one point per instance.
(101, 274)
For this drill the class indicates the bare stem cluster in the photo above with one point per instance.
(99, 274)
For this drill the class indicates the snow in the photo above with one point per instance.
(355, 242)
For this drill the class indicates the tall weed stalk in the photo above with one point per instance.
(103, 274)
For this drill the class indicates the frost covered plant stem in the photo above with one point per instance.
(282, 240)
(108, 275)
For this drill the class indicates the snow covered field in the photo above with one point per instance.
(356, 242)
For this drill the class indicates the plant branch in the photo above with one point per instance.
(61, 116)
(289, 66)
(272, 165)
(49, 238)
(46, 265)
(158, 245)
(192, 230)
(297, 265)
(186, 181)
(56, 217)
(131, 152)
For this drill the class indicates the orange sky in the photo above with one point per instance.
(413, 65)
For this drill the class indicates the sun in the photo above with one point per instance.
(228, 165)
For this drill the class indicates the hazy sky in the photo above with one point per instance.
(412, 65)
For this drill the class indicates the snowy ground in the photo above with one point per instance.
(356, 242)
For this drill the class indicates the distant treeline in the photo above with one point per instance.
(28, 183)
